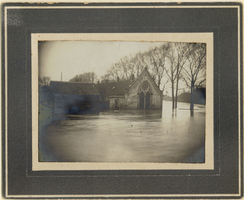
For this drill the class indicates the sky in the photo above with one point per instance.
(76, 57)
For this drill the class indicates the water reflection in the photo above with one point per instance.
(126, 136)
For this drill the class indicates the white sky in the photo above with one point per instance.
(76, 57)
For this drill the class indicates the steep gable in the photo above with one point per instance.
(139, 79)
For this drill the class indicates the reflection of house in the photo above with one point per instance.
(74, 98)
(141, 93)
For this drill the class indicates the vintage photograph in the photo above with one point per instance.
(103, 101)
(122, 100)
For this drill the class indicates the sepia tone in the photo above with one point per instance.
(140, 110)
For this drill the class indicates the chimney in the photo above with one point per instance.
(117, 79)
(132, 77)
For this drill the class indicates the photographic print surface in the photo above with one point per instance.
(102, 101)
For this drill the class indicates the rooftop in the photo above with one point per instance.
(73, 88)
(114, 88)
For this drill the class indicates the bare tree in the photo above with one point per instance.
(87, 77)
(194, 72)
(125, 68)
(139, 63)
(164, 86)
(46, 80)
(156, 62)
(182, 52)
(77, 78)
(115, 72)
(177, 56)
(171, 70)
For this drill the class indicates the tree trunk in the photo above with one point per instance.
(162, 98)
(159, 81)
(192, 99)
(173, 99)
(176, 92)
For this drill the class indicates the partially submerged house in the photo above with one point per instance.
(74, 98)
(140, 93)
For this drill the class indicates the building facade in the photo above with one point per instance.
(144, 94)
(74, 98)
(141, 93)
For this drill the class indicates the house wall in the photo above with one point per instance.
(76, 104)
(121, 103)
(156, 102)
(132, 100)
(133, 96)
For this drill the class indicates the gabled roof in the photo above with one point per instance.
(59, 87)
(143, 73)
(116, 88)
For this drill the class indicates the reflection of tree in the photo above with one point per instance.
(194, 71)
(87, 77)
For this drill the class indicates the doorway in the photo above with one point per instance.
(116, 104)
(144, 101)
(147, 103)
(141, 101)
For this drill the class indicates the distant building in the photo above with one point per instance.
(140, 93)
(74, 98)
(199, 96)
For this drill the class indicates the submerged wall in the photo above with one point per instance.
(117, 103)
(76, 104)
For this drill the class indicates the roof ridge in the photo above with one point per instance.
(153, 82)
(145, 69)
(71, 82)
(74, 88)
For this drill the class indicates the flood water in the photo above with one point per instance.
(127, 136)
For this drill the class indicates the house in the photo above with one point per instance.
(199, 96)
(140, 93)
(74, 98)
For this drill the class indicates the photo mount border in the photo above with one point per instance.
(239, 111)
